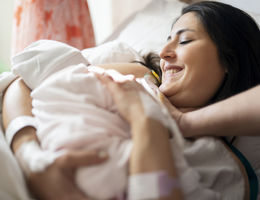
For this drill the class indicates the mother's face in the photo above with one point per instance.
(191, 70)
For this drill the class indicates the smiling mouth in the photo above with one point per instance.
(173, 71)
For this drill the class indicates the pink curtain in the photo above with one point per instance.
(67, 21)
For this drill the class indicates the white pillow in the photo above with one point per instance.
(149, 28)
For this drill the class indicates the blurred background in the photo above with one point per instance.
(106, 16)
(104, 20)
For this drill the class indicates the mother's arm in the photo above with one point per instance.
(152, 152)
(57, 181)
(151, 146)
(17, 102)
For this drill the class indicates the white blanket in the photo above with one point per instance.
(62, 95)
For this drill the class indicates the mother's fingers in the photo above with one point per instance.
(110, 84)
(122, 84)
(105, 79)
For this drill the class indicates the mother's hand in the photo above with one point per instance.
(125, 95)
(57, 182)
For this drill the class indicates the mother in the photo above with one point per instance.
(210, 56)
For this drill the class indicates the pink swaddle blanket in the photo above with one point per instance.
(74, 110)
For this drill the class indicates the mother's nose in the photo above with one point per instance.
(168, 52)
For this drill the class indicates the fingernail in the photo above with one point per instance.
(102, 154)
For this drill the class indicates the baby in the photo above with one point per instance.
(74, 110)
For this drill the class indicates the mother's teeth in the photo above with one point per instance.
(173, 71)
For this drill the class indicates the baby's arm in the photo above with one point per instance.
(138, 70)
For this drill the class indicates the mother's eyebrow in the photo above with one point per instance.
(184, 30)
(179, 32)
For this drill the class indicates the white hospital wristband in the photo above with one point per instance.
(16, 125)
(151, 185)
